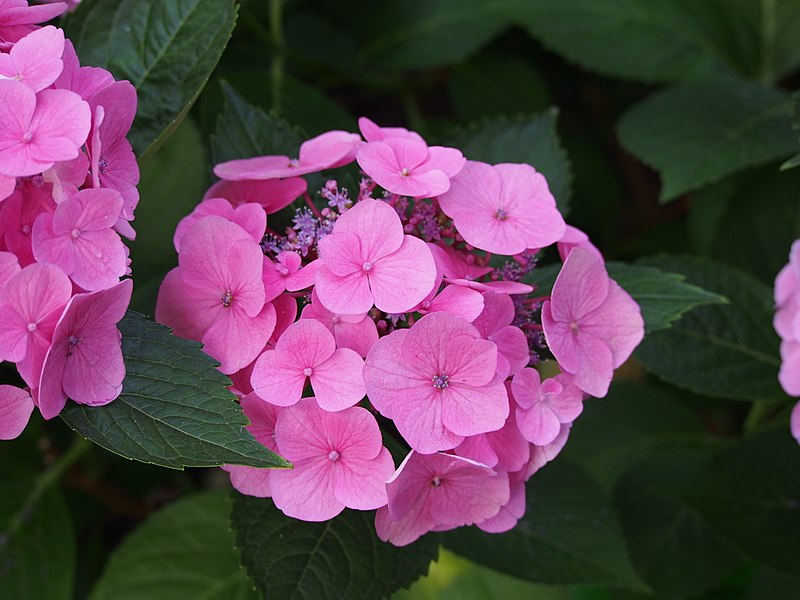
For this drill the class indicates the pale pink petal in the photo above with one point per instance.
(596, 370)
(277, 379)
(171, 308)
(338, 382)
(260, 167)
(541, 455)
(448, 160)
(525, 388)
(35, 60)
(350, 294)
(362, 484)
(304, 277)
(471, 410)
(575, 238)
(402, 532)
(377, 227)
(618, 322)
(789, 374)
(342, 254)
(581, 286)
(249, 480)
(60, 125)
(272, 194)
(308, 343)
(9, 266)
(19, 103)
(511, 512)
(412, 264)
(458, 301)
(512, 345)
(16, 407)
(305, 492)
(502, 287)
(329, 150)
(373, 133)
(235, 339)
(360, 336)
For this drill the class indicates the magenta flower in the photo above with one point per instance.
(7, 186)
(84, 81)
(9, 266)
(357, 332)
(408, 167)
(250, 217)
(453, 264)
(17, 19)
(79, 239)
(512, 511)
(37, 130)
(339, 461)
(366, 256)
(374, 133)
(591, 324)
(307, 350)
(262, 415)
(18, 213)
(504, 450)
(271, 194)
(438, 491)
(504, 208)
(16, 407)
(326, 151)
(544, 406)
(35, 60)
(494, 324)
(216, 295)
(456, 300)
(437, 382)
(287, 274)
(84, 362)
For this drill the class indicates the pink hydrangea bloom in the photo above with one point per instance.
(79, 239)
(7, 186)
(457, 300)
(373, 133)
(500, 287)
(494, 324)
(262, 415)
(512, 511)
(505, 449)
(357, 332)
(307, 350)
(544, 406)
(36, 130)
(16, 407)
(339, 461)
(406, 166)
(591, 324)
(287, 274)
(504, 208)
(18, 213)
(216, 295)
(35, 60)
(326, 151)
(438, 491)
(437, 382)
(84, 362)
(575, 238)
(271, 194)
(453, 264)
(9, 266)
(365, 257)
(250, 217)
(84, 81)
(17, 19)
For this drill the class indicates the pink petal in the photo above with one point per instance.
(497, 313)
(277, 379)
(260, 167)
(305, 492)
(525, 388)
(35, 60)
(171, 308)
(618, 322)
(19, 103)
(307, 342)
(235, 339)
(9, 266)
(16, 407)
(373, 133)
(402, 532)
(412, 264)
(459, 302)
(338, 382)
(575, 238)
(249, 480)
(377, 227)
(512, 345)
(304, 277)
(511, 512)
(795, 422)
(345, 295)
(361, 484)
(341, 253)
(581, 286)
(360, 336)
(272, 194)
(448, 160)
(471, 410)
(60, 126)
(329, 150)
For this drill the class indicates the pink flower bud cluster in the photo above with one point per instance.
(67, 191)
(787, 324)
(382, 316)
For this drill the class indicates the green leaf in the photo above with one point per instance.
(174, 411)
(166, 49)
(245, 131)
(525, 139)
(663, 297)
(791, 163)
(633, 420)
(751, 494)
(569, 534)
(37, 543)
(671, 545)
(183, 552)
(698, 134)
(340, 558)
(420, 34)
(726, 350)
(773, 585)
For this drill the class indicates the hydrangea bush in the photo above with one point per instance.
(525, 330)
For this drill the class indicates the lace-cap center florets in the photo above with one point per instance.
(440, 381)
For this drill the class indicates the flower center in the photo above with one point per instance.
(294, 162)
(75, 233)
(574, 326)
(404, 172)
(31, 327)
(282, 270)
(436, 482)
(227, 299)
(440, 381)
(367, 266)
(27, 137)
(501, 214)
(102, 165)
(333, 455)
(26, 229)
(336, 319)
(308, 371)
(72, 342)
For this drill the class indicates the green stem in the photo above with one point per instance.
(758, 414)
(50, 477)
(278, 49)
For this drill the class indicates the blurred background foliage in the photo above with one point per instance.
(669, 130)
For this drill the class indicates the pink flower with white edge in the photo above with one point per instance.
(357, 332)
(326, 151)
(35, 60)
(364, 259)
(262, 415)
(505, 208)
(16, 407)
(339, 462)
(216, 295)
(544, 406)
(307, 351)
(17, 19)
(271, 194)
(79, 239)
(84, 362)
(408, 167)
(37, 130)
(494, 324)
(437, 382)
(250, 217)
(438, 491)
(590, 323)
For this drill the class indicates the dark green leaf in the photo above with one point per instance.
(662, 296)
(245, 131)
(569, 534)
(341, 558)
(698, 134)
(751, 494)
(166, 49)
(773, 585)
(727, 350)
(420, 34)
(528, 139)
(671, 545)
(183, 552)
(174, 411)
(37, 543)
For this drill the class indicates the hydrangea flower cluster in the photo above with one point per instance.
(67, 192)
(787, 324)
(396, 315)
